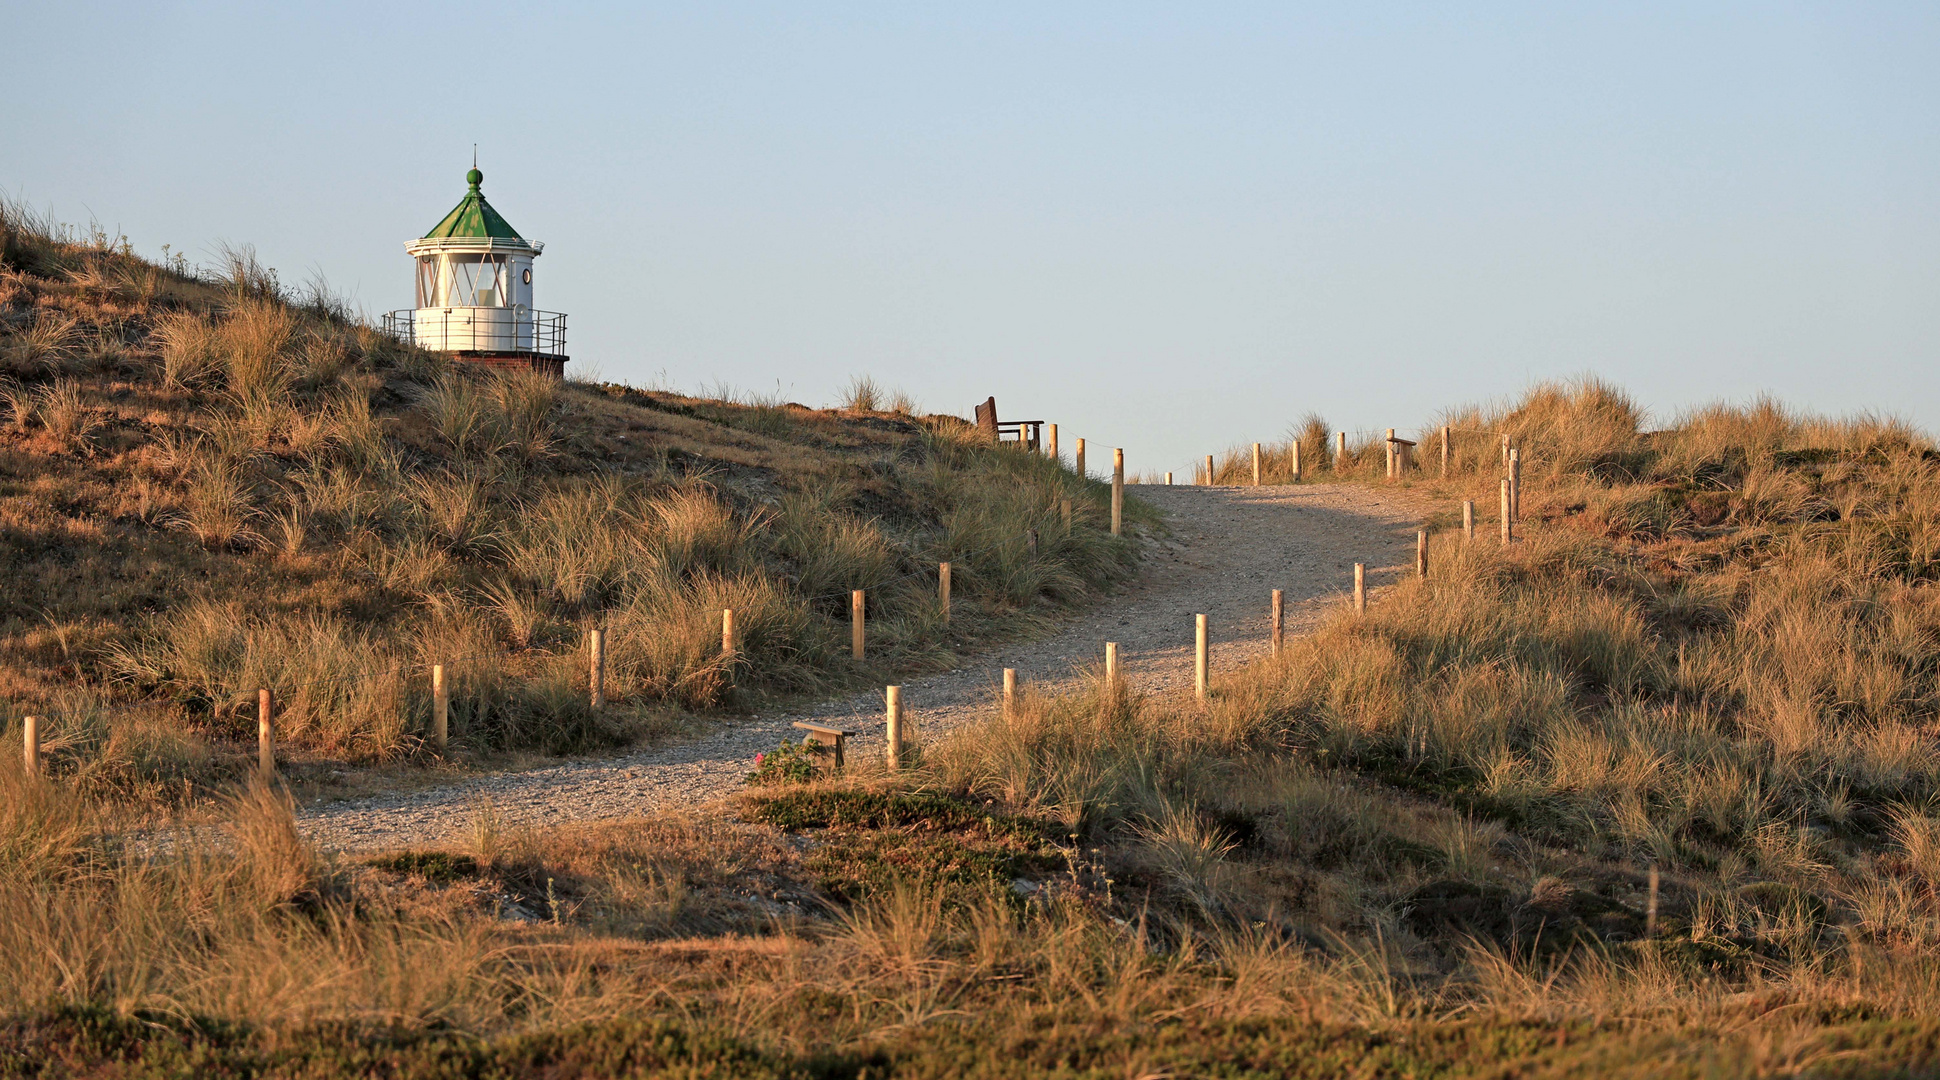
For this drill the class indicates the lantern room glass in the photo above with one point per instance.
(464, 280)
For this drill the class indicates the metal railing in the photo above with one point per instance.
(480, 329)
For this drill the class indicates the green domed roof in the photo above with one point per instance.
(473, 217)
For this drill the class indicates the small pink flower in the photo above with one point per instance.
(758, 759)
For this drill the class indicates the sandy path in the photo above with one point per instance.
(1231, 546)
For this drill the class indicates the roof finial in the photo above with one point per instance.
(474, 177)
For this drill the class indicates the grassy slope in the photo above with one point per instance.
(207, 487)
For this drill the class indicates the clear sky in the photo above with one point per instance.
(1170, 228)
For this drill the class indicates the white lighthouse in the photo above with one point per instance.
(475, 292)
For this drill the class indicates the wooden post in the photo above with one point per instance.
(1200, 659)
(943, 589)
(1446, 451)
(1421, 553)
(1650, 908)
(1209, 470)
(1256, 464)
(1030, 542)
(1360, 588)
(1505, 451)
(596, 662)
(1010, 691)
(1168, 479)
(1064, 509)
(1051, 442)
(1111, 666)
(1117, 491)
(893, 720)
(265, 740)
(1081, 458)
(30, 744)
(1468, 520)
(1508, 533)
(727, 631)
(1340, 451)
(440, 709)
(856, 601)
(1515, 483)
(1390, 454)
(1296, 461)
(1279, 621)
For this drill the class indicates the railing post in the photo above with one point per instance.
(1117, 491)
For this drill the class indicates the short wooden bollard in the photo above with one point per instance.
(440, 709)
(1256, 464)
(1340, 451)
(1111, 665)
(1117, 492)
(1515, 483)
(892, 709)
(1296, 461)
(596, 664)
(1080, 467)
(727, 631)
(1360, 588)
(1421, 553)
(30, 744)
(1168, 479)
(1279, 621)
(1394, 456)
(1508, 532)
(1051, 442)
(856, 636)
(1010, 692)
(1445, 451)
(943, 590)
(1201, 660)
(1650, 906)
(1064, 510)
(1209, 470)
(265, 739)
(1468, 520)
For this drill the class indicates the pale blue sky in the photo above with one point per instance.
(1168, 227)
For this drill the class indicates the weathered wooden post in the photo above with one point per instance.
(30, 744)
(893, 721)
(1296, 461)
(1279, 621)
(596, 661)
(1200, 658)
(1111, 666)
(1117, 491)
(1340, 451)
(1468, 520)
(1515, 483)
(943, 589)
(265, 739)
(1064, 510)
(727, 632)
(1393, 454)
(1421, 553)
(1445, 451)
(856, 601)
(1650, 907)
(1508, 533)
(1360, 588)
(1168, 479)
(1080, 467)
(1010, 691)
(440, 709)
(1209, 470)
(1256, 464)
(1051, 442)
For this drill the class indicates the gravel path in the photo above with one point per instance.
(1230, 547)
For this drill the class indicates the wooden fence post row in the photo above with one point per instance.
(1445, 451)
(943, 589)
(265, 741)
(1111, 665)
(1296, 461)
(1421, 553)
(1051, 442)
(1507, 513)
(1468, 519)
(30, 744)
(727, 632)
(1080, 467)
(1209, 470)
(1340, 451)
(597, 661)
(1256, 464)
(440, 708)
(1010, 692)
(1279, 621)
(1360, 588)
(856, 639)
(1394, 456)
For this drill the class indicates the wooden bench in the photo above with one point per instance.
(1024, 433)
(822, 735)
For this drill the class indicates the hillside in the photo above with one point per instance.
(208, 486)
(1652, 790)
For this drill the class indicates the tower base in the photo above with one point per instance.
(542, 363)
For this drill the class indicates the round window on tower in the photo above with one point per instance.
(527, 276)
